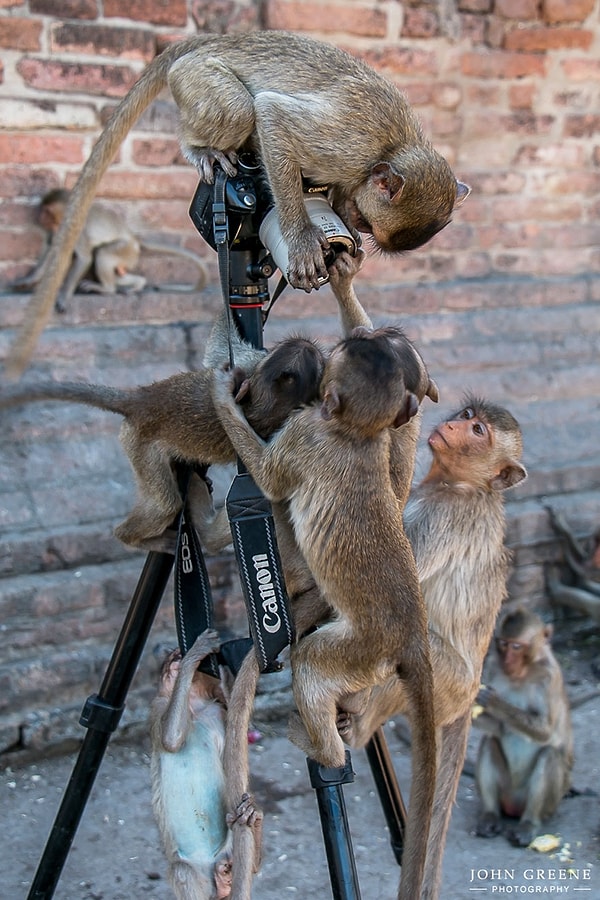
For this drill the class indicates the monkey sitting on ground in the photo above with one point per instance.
(290, 99)
(455, 522)
(331, 462)
(106, 248)
(583, 571)
(525, 759)
(191, 777)
(174, 420)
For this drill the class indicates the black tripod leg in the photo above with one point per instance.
(101, 715)
(388, 790)
(334, 822)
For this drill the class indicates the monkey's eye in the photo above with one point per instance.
(478, 428)
(504, 645)
(467, 413)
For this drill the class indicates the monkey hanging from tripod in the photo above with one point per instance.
(294, 101)
(106, 249)
(193, 776)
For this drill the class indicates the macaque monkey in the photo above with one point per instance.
(455, 522)
(191, 777)
(525, 758)
(106, 247)
(582, 592)
(331, 462)
(298, 103)
(175, 420)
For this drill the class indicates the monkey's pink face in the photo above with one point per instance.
(467, 434)
(169, 672)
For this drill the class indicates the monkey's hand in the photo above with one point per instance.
(486, 697)
(246, 813)
(344, 268)
(206, 643)
(204, 158)
(306, 251)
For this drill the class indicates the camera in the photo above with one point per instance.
(253, 221)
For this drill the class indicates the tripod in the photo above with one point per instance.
(245, 266)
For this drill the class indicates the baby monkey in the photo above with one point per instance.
(331, 462)
(189, 780)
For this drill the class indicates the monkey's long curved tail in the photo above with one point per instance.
(424, 764)
(37, 313)
(114, 400)
(245, 855)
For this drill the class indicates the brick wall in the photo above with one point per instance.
(504, 301)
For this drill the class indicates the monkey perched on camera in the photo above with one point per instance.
(106, 248)
(191, 778)
(175, 420)
(455, 522)
(525, 758)
(294, 101)
(331, 462)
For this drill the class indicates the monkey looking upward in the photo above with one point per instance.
(455, 522)
(526, 755)
(294, 101)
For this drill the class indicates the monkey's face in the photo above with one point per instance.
(405, 203)
(515, 656)
(169, 672)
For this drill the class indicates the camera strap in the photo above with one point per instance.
(192, 593)
(221, 237)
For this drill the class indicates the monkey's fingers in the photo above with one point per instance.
(307, 268)
(206, 643)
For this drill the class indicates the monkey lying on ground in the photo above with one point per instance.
(525, 758)
(294, 101)
(106, 246)
(332, 463)
(175, 420)
(455, 522)
(583, 571)
(191, 779)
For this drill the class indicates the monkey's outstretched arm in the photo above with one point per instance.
(175, 720)
(341, 277)
(535, 724)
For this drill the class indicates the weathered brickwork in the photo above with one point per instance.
(505, 301)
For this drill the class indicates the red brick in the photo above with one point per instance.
(447, 96)
(397, 60)
(525, 122)
(65, 9)
(566, 156)
(582, 126)
(297, 15)
(129, 43)
(168, 215)
(157, 152)
(134, 185)
(419, 23)
(500, 64)
(20, 34)
(475, 6)
(31, 149)
(21, 181)
(50, 75)
(472, 28)
(540, 39)
(21, 245)
(517, 9)
(581, 69)
(224, 16)
(566, 10)
(159, 12)
(495, 30)
(521, 96)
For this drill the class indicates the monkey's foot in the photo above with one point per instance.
(488, 825)
(246, 813)
(330, 753)
(522, 834)
(204, 158)
(206, 643)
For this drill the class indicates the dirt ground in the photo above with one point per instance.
(116, 853)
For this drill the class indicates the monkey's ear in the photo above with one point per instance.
(240, 386)
(512, 473)
(432, 391)
(410, 409)
(331, 403)
(389, 183)
(462, 192)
